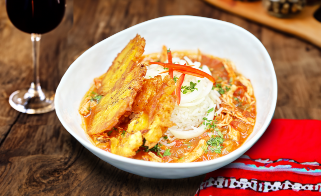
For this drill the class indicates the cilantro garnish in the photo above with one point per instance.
(109, 132)
(165, 137)
(215, 143)
(219, 133)
(156, 149)
(175, 78)
(96, 98)
(205, 149)
(167, 152)
(123, 133)
(220, 89)
(208, 123)
(210, 110)
(231, 81)
(189, 89)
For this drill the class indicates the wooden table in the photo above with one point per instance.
(38, 156)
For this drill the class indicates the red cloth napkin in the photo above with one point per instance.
(285, 161)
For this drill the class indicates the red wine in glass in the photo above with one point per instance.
(35, 17)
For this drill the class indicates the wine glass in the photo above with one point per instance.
(35, 17)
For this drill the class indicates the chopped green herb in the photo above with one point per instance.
(209, 123)
(181, 158)
(205, 149)
(167, 152)
(165, 137)
(210, 110)
(189, 89)
(219, 88)
(215, 143)
(175, 78)
(109, 132)
(114, 128)
(198, 80)
(166, 68)
(156, 149)
(146, 147)
(123, 133)
(96, 98)
(220, 134)
(231, 80)
(189, 146)
(168, 50)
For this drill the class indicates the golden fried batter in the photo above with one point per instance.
(142, 106)
(114, 104)
(126, 145)
(119, 87)
(123, 63)
(154, 104)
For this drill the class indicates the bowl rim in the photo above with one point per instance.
(231, 156)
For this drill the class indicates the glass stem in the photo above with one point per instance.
(35, 88)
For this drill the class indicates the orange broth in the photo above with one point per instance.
(183, 146)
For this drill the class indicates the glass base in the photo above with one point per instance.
(26, 102)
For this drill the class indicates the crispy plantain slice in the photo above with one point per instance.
(124, 62)
(115, 103)
(119, 87)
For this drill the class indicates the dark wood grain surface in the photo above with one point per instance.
(39, 157)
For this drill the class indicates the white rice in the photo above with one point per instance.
(194, 106)
(186, 117)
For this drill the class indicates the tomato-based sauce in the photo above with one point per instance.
(224, 133)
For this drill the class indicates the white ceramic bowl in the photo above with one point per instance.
(211, 36)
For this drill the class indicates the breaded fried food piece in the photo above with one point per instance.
(126, 145)
(163, 56)
(119, 87)
(123, 63)
(153, 107)
(114, 104)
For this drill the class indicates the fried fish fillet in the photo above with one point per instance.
(153, 105)
(151, 113)
(126, 145)
(119, 87)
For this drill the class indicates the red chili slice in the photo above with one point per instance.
(184, 68)
(169, 56)
(178, 88)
